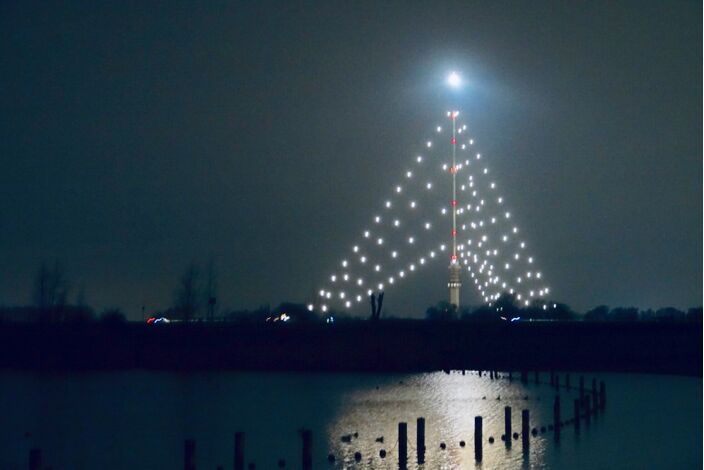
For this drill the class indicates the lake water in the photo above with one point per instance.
(139, 419)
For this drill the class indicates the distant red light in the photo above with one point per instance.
(453, 257)
(453, 141)
(454, 232)
(454, 202)
(151, 320)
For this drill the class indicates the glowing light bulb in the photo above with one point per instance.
(471, 141)
(454, 80)
(363, 259)
(492, 185)
(443, 211)
(344, 263)
(359, 298)
(377, 219)
(377, 268)
(427, 225)
(333, 278)
(355, 249)
(419, 159)
(409, 174)
(428, 185)
(366, 234)
(410, 240)
(394, 254)
(429, 144)
(500, 200)
(328, 295)
(504, 238)
(523, 244)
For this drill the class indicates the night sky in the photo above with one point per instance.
(136, 137)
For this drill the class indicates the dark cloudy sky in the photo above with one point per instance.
(138, 136)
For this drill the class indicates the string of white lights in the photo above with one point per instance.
(406, 234)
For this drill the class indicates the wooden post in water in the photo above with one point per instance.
(507, 425)
(420, 440)
(595, 398)
(239, 451)
(402, 445)
(189, 454)
(602, 395)
(478, 438)
(307, 454)
(525, 429)
(556, 418)
(35, 459)
(576, 414)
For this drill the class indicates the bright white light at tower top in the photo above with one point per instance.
(454, 80)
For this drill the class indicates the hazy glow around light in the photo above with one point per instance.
(454, 80)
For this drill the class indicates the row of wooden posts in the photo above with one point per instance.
(585, 406)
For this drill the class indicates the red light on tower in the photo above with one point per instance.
(453, 141)
(454, 202)
(454, 232)
(453, 257)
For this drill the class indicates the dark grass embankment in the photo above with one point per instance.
(385, 346)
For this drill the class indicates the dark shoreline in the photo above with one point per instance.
(385, 346)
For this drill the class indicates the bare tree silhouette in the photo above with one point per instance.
(50, 291)
(187, 294)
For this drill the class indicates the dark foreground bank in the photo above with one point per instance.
(384, 346)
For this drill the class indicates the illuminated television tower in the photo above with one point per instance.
(454, 284)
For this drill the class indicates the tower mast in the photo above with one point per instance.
(454, 283)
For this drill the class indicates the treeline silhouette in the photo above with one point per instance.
(195, 300)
